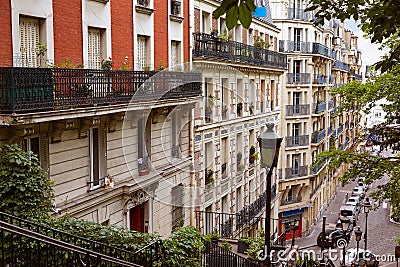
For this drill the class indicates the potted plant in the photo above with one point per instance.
(214, 33)
(244, 243)
(225, 36)
(212, 237)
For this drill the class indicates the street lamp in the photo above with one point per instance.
(358, 234)
(345, 223)
(269, 143)
(294, 224)
(367, 206)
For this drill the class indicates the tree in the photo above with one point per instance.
(25, 190)
(355, 95)
(378, 19)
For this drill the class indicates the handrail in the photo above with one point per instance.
(61, 244)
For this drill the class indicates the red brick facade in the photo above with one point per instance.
(161, 46)
(196, 20)
(6, 38)
(68, 40)
(186, 32)
(122, 33)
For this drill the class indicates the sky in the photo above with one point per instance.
(370, 52)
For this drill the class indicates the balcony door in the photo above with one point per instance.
(295, 164)
(297, 38)
(295, 133)
(296, 102)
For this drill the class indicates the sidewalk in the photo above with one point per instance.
(331, 213)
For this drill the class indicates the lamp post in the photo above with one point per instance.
(367, 206)
(345, 223)
(358, 234)
(269, 143)
(294, 224)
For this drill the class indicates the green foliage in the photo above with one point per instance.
(227, 246)
(255, 245)
(236, 10)
(211, 236)
(354, 96)
(25, 190)
(184, 247)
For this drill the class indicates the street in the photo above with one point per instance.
(381, 232)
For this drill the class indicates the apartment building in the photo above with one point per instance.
(319, 57)
(242, 74)
(112, 131)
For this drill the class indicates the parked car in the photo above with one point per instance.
(354, 201)
(350, 212)
(358, 191)
(364, 256)
(363, 185)
(332, 238)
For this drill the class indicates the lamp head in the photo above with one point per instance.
(269, 143)
(358, 233)
(367, 205)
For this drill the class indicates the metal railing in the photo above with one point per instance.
(39, 89)
(288, 46)
(317, 137)
(317, 168)
(205, 45)
(215, 255)
(298, 14)
(319, 79)
(25, 243)
(291, 200)
(293, 172)
(298, 140)
(341, 66)
(298, 78)
(318, 48)
(295, 110)
(319, 107)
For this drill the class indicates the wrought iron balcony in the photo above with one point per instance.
(320, 49)
(207, 46)
(341, 66)
(291, 200)
(288, 46)
(298, 140)
(298, 78)
(294, 172)
(298, 14)
(319, 79)
(43, 89)
(296, 110)
(317, 137)
(215, 255)
(319, 107)
(331, 104)
(317, 168)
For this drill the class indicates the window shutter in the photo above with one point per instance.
(141, 41)
(44, 153)
(94, 49)
(29, 37)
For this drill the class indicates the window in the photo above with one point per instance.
(29, 40)
(295, 164)
(175, 133)
(32, 144)
(142, 46)
(297, 38)
(144, 3)
(205, 19)
(94, 48)
(143, 133)
(175, 53)
(176, 7)
(94, 146)
(178, 215)
(295, 133)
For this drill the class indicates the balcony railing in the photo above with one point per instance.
(330, 130)
(319, 107)
(341, 66)
(317, 137)
(298, 14)
(322, 50)
(298, 78)
(319, 79)
(295, 110)
(317, 168)
(298, 140)
(288, 46)
(291, 200)
(294, 172)
(210, 47)
(43, 89)
(331, 104)
(215, 255)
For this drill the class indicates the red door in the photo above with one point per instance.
(136, 217)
